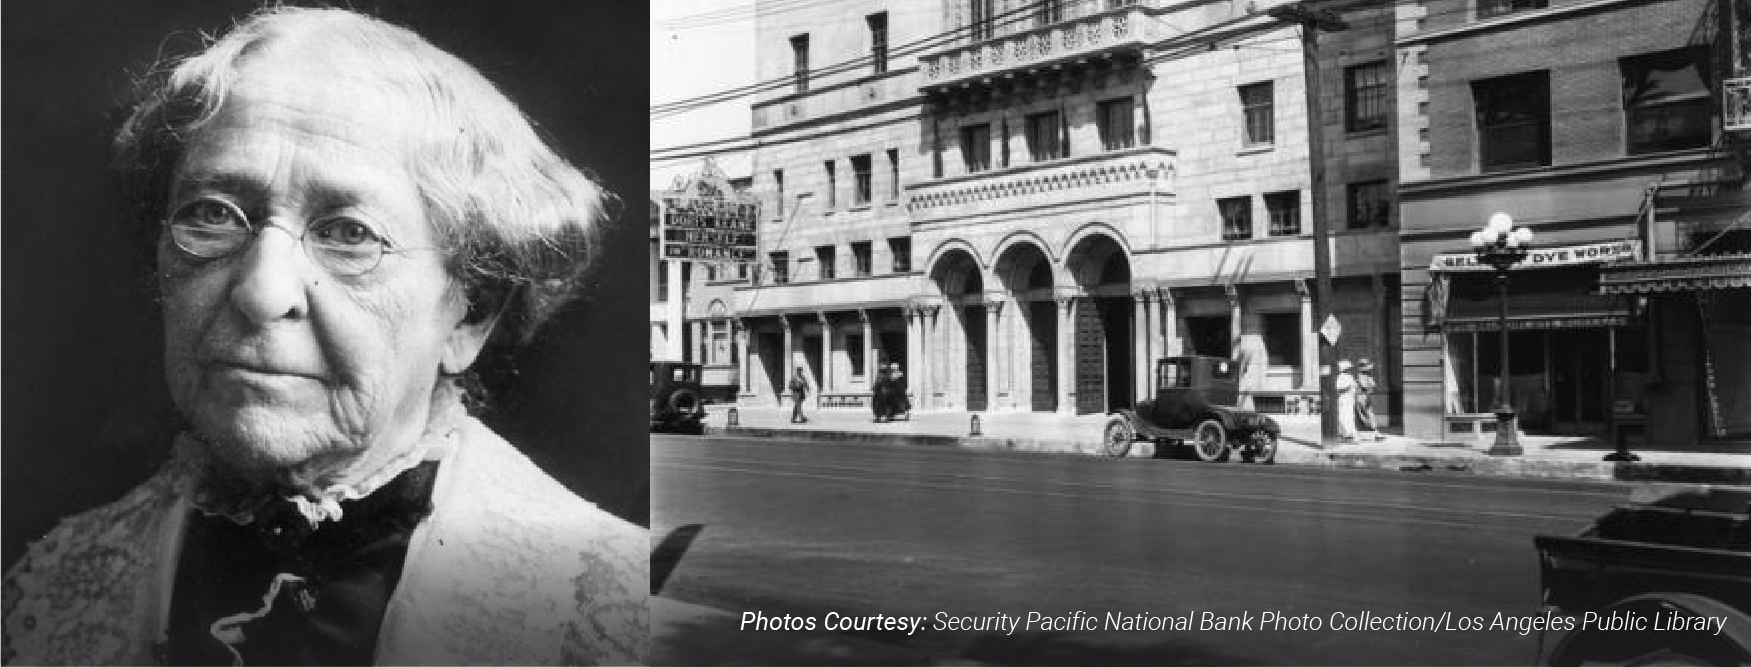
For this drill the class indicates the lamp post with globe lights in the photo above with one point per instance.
(1501, 245)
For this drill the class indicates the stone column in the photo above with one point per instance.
(1170, 324)
(1066, 354)
(744, 368)
(993, 353)
(785, 362)
(869, 357)
(1140, 358)
(701, 342)
(914, 353)
(826, 378)
(1234, 318)
(1309, 339)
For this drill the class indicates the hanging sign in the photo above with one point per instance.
(705, 219)
(1586, 253)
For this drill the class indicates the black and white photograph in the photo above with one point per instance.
(321, 321)
(1164, 332)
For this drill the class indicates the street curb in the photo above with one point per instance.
(1496, 466)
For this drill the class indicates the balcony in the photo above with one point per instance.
(1738, 102)
(1105, 33)
(1132, 171)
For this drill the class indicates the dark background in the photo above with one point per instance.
(86, 412)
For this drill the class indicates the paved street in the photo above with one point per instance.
(814, 527)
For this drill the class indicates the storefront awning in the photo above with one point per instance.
(1556, 298)
(1677, 275)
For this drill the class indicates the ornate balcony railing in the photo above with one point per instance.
(1118, 29)
(1738, 100)
(1130, 171)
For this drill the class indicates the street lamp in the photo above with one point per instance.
(1501, 245)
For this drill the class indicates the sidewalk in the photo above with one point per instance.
(1545, 456)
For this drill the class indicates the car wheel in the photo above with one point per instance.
(1119, 436)
(683, 402)
(1210, 441)
(1262, 449)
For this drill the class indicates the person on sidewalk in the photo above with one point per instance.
(898, 403)
(878, 395)
(1346, 407)
(799, 391)
(1365, 388)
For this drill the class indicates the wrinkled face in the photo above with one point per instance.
(274, 361)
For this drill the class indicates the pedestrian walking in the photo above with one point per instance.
(799, 391)
(878, 395)
(898, 403)
(1346, 406)
(1365, 388)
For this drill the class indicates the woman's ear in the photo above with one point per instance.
(486, 305)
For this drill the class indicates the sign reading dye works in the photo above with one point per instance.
(1586, 253)
(705, 219)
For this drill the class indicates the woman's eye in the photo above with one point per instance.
(345, 232)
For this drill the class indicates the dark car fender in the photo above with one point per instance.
(1236, 419)
(1732, 646)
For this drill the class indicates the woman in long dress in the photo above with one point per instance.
(1346, 401)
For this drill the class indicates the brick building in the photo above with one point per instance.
(1597, 124)
(1026, 204)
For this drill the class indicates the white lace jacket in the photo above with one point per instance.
(510, 568)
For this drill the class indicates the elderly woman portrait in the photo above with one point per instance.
(345, 217)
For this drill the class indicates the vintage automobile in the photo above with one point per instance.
(1654, 575)
(675, 397)
(1194, 404)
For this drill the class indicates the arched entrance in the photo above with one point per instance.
(956, 276)
(1102, 324)
(1026, 275)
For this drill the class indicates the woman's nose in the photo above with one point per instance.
(271, 278)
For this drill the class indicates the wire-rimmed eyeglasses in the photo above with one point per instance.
(212, 228)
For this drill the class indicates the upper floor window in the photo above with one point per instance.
(826, 257)
(1490, 8)
(799, 57)
(900, 250)
(860, 259)
(1666, 101)
(1048, 12)
(878, 42)
(1045, 136)
(1117, 120)
(1513, 121)
(1369, 204)
(1259, 115)
(832, 183)
(1285, 211)
(1236, 218)
(860, 180)
(976, 147)
(1365, 89)
(981, 19)
(778, 184)
(894, 174)
(780, 267)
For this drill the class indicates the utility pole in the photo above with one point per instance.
(1312, 21)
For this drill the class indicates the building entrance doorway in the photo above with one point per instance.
(1043, 355)
(973, 324)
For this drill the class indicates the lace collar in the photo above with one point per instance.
(215, 493)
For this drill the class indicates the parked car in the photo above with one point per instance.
(1194, 404)
(676, 403)
(1649, 573)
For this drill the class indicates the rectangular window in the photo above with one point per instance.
(878, 42)
(1491, 8)
(825, 256)
(1513, 121)
(1236, 218)
(900, 249)
(1282, 338)
(860, 180)
(1117, 122)
(1666, 101)
(663, 281)
(1365, 89)
(778, 183)
(1370, 204)
(799, 57)
(1259, 115)
(832, 184)
(854, 353)
(1049, 12)
(976, 147)
(860, 263)
(1285, 211)
(894, 174)
(1044, 136)
(780, 267)
(982, 19)
(1209, 336)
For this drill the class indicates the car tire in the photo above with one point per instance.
(1263, 449)
(1210, 441)
(1116, 441)
(683, 403)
